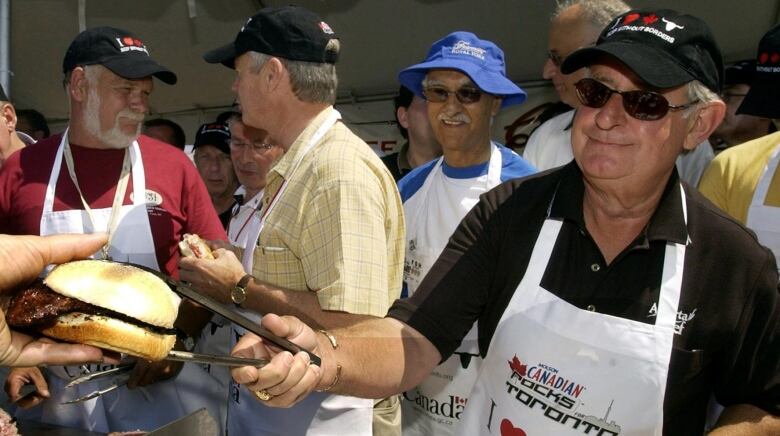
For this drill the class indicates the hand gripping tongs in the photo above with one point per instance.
(122, 372)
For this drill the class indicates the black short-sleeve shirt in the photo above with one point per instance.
(728, 329)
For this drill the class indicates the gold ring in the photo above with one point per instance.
(263, 395)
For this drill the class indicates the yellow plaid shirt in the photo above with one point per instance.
(338, 228)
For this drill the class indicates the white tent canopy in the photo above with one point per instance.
(379, 38)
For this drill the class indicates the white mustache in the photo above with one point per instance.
(131, 114)
(458, 118)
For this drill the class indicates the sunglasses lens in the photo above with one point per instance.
(467, 95)
(645, 105)
(592, 93)
(642, 105)
(436, 95)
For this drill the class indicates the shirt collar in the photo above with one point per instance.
(284, 164)
(402, 160)
(666, 224)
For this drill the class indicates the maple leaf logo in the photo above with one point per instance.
(650, 19)
(630, 18)
(517, 366)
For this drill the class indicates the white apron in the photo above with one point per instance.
(555, 369)
(123, 409)
(435, 406)
(763, 219)
(320, 414)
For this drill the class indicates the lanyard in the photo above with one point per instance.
(318, 134)
(249, 218)
(119, 195)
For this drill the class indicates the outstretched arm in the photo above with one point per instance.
(378, 358)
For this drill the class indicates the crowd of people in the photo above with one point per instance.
(617, 278)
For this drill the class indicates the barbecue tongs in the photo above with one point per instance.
(122, 372)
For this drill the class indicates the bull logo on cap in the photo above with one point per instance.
(671, 25)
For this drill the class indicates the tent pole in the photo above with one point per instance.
(5, 44)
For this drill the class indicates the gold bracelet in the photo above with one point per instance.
(335, 345)
(331, 338)
(335, 380)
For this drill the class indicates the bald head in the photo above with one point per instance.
(575, 24)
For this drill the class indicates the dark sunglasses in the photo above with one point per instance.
(642, 105)
(436, 94)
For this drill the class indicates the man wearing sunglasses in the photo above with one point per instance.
(611, 298)
(576, 24)
(463, 80)
(744, 180)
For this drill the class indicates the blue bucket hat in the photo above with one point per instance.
(479, 59)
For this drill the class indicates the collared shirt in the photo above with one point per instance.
(398, 163)
(338, 227)
(731, 179)
(728, 320)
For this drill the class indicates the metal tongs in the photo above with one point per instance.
(122, 372)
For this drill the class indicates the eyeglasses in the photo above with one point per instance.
(255, 147)
(642, 105)
(209, 159)
(555, 58)
(437, 94)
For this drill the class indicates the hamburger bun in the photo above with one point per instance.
(193, 246)
(111, 334)
(123, 289)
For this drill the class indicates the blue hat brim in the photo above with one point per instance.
(487, 81)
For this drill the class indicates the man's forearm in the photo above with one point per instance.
(370, 354)
(745, 420)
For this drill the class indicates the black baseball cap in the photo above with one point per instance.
(214, 134)
(763, 99)
(289, 32)
(739, 72)
(118, 50)
(3, 96)
(665, 48)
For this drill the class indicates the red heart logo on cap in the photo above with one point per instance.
(650, 19)
(763, 57)
(630, 18)
(137, 42)
(127, 40)
(774, 58)
(508, 429)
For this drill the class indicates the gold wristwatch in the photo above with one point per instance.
(238, 293)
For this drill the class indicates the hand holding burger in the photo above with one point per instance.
(23, 258)
(213, 277)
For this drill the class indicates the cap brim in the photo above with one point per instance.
(497, 84)
(225, 55)
(761, 100)
(654, 67)
(138, 67)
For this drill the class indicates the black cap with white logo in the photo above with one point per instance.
(663, 47)
(118, 50)
(289, 32)
(763, 99)
(215, 134)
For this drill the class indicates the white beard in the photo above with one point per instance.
(115, 137)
